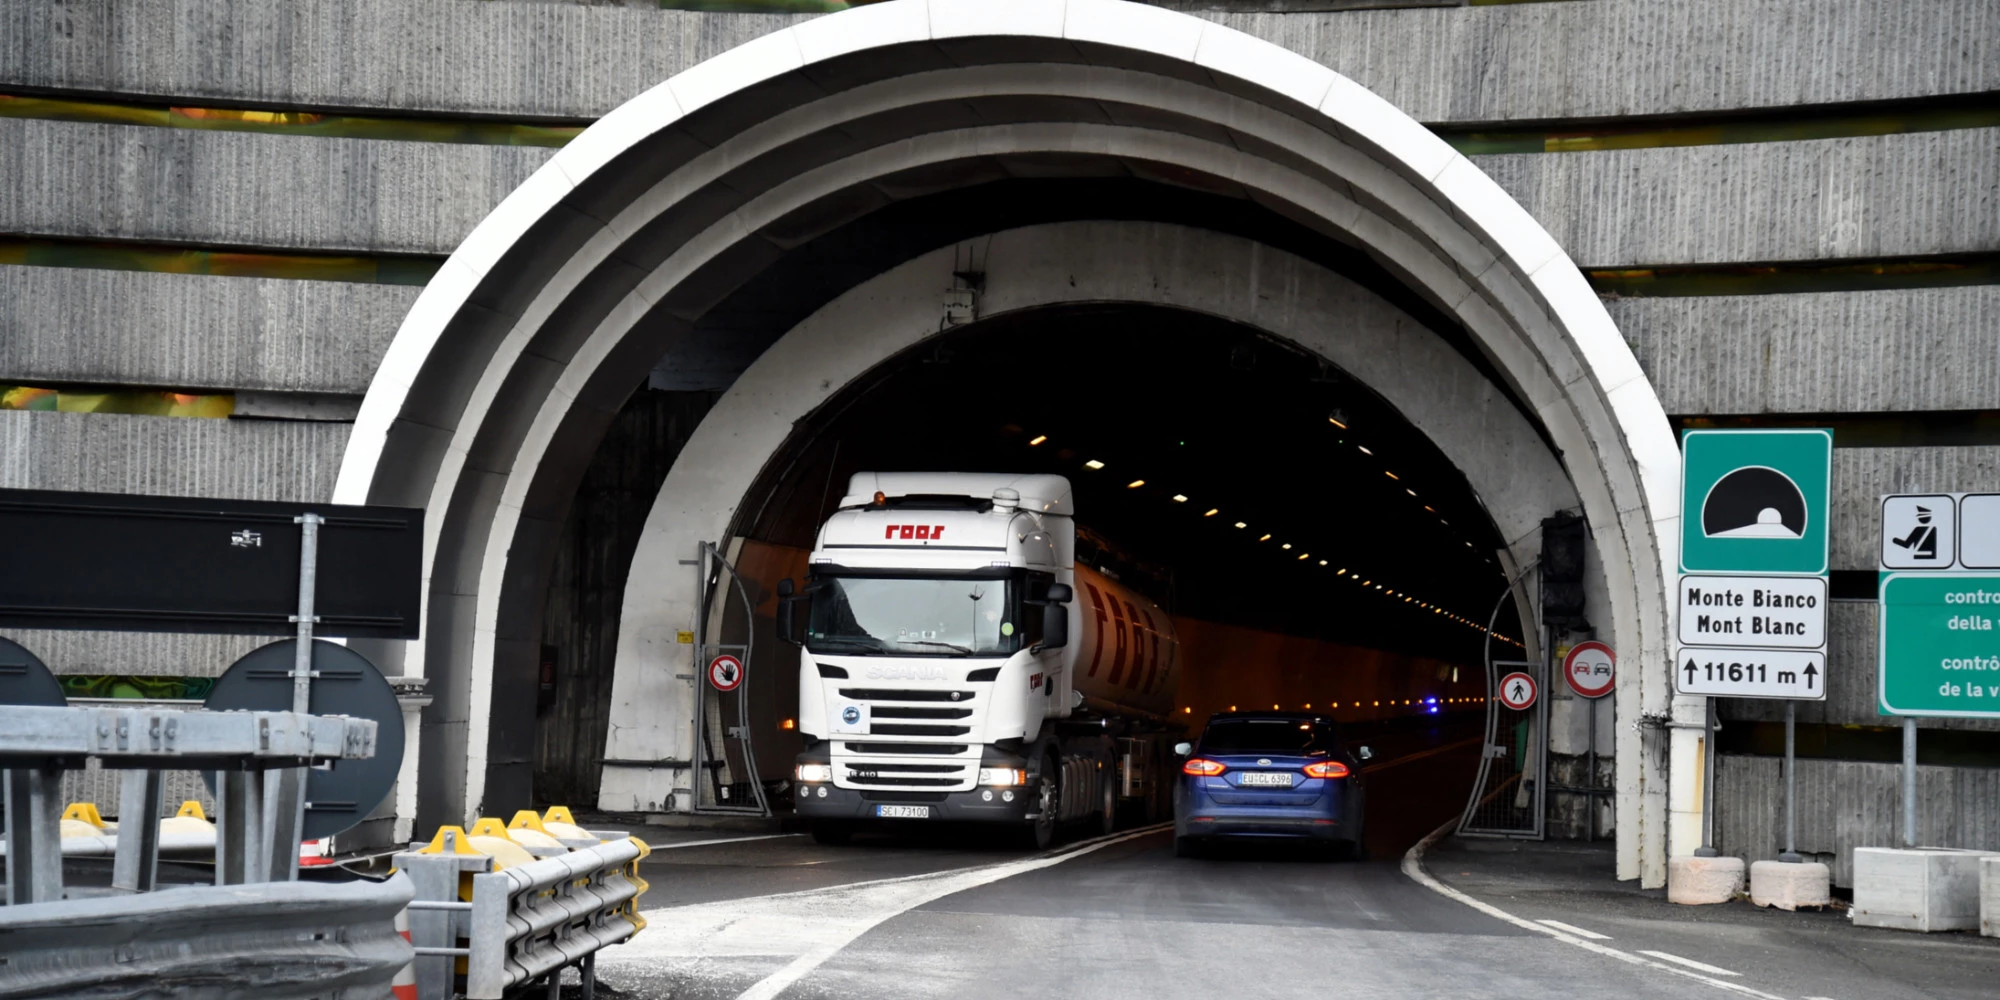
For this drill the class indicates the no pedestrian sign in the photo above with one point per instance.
(1517, 691)
(725, 672)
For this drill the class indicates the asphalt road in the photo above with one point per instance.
(945, 915)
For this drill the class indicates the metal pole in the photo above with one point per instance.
(308, 576)
(1707, 848)
(136, 866)
(1791, 852)
(1909, 781)
(1590, 780)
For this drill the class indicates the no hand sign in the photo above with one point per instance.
(1517, 691)
(1590, 668)
(725, 672)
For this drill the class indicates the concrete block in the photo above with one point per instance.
(1921, 889)
(1989, 896)
(1790, 886)
(1698, 881)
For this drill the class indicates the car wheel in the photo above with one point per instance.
(831, 833)
(1188, 847)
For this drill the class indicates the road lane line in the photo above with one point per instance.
(805, 928)
(722, 840)
(1413, 866)
(1690, 963)
(1578, 931)
(777, 982)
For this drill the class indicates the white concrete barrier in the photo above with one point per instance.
(1790, 886)
(1700, 881)
(1920, 889)
(1989, 896)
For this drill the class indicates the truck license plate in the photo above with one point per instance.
(1277, 779)
(903, 812)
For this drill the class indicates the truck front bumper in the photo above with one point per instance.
(979, 805)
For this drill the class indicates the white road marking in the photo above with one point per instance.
(1413, 866)
(1690, 963)
(811, 926)
(723, 840)
(1573, 929)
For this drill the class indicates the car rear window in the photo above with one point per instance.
(1259, 735)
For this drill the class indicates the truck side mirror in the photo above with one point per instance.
(1055, 617)
(787, 629)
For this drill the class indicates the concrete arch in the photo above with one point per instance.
(519, 351)
(1511, 470)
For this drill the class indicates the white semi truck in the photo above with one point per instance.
(958, 663)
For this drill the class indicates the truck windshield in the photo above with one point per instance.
(926, 616)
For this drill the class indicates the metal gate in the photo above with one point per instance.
(725, 761)
(1508, 796)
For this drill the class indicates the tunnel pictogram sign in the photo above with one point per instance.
(1755, 501)
(1517, 691)
(1590, 669)
(725, 672)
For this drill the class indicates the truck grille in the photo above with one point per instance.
(906, 729)
(896, 694)
(899, 712)
(889, 774)
(946, 749)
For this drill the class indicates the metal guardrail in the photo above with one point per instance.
(522, 923)
(272, 941)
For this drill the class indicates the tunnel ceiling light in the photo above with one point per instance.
(1179, 499)
(1213, 511)
(1364, 449)
(1135, 484)
(1334, 419)
(1287, 546)
(1410, 491)
(1266, 538)
(1322, 562)
(1341, 572)
(1093, 465)
(1428, 507)
(1305, 556)
(1038, 439)
(1392, 475)
(1240, 524)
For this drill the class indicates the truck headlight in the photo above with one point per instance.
(811, 773)
(1002, 777)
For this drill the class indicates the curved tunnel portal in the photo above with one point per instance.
(921, 235)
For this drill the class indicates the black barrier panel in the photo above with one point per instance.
(126, 563)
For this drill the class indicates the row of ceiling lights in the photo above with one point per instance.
(1094, 465)
(1377, 704)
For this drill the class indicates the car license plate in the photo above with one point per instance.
(1275, 779)
(903, 812)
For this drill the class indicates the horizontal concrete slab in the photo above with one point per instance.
(195, 331)
(243, 189)
(1920, 193)
(571, 60)
(170, 456)
(1870, 196)
(1857, 352)
(1862, 475)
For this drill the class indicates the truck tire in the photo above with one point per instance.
(1040, 834)
(832, 832)
(1108, 816)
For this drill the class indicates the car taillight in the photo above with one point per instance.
(1202, 768)
(1326, 769)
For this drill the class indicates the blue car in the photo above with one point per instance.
(1269, 774)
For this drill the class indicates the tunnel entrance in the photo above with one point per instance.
(668, 229)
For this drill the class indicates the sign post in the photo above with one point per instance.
(1938, 652)
(1753, 589)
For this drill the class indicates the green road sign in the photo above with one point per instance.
(1755, 501)
(1940, 645)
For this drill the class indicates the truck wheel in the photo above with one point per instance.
(1041, 833)
(832, 833)
(1109, 814)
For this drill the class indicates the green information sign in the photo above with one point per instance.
(1755, 501)
(1940, 645)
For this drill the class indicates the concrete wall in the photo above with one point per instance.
(1889, 355)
